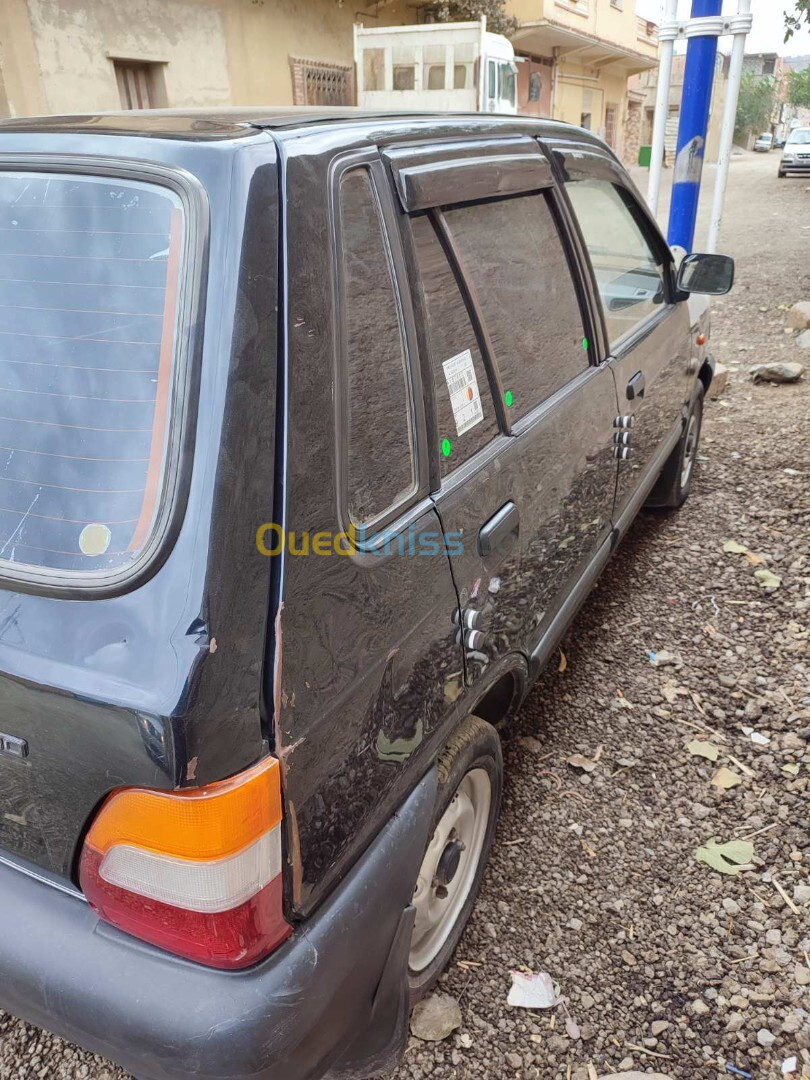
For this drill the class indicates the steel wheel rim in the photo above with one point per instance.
(690, 450)
(464, 822)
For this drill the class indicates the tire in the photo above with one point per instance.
(675, 481)
(781, 175)
(470, 765)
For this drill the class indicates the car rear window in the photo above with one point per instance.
(89, 276)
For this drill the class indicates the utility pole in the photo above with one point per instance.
(701, 32)
(698, 82)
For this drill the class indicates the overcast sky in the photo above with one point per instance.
(768, 34)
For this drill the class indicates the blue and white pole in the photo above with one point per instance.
(701, 56)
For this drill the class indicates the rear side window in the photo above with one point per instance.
(381, 463)
(464, 410)
(512, 253)
(90, 271)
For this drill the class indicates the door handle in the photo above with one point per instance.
(499, 534)
(636, 387)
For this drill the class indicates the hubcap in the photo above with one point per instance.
(449, 867)
(690, 450)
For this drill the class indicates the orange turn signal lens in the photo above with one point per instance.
(209, 822)
(702, 339)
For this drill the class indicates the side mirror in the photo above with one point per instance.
(712, 275)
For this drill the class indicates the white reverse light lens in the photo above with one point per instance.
(211, 886)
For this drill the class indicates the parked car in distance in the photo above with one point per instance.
(795, 159)
(322, 425)
(764, 143)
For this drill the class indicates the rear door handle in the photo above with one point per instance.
(636, 387)
(500, 533)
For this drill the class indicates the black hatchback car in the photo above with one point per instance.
(317, 428)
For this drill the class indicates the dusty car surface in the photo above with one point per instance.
(318, 427)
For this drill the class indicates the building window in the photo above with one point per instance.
(140, 85)
(535, 86)
(316, 82)
(769, 67)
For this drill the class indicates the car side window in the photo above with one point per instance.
(381, 460)
(513, 255)
(629, 273)
(466, 417)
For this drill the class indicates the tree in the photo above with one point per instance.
(793, 23)
(756, 104)
(467, 10)
(799, 88)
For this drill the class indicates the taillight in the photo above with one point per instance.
(197, 872)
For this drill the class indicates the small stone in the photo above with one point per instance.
(803, 340)
(735, 1022)
(587, 1002)
(634, 1076)
(731, 907)
(435, 1017)
(625, 1063)
(629, 959)
(737, 1001)
(514, 1061)
(574, 924)
(798, 318)
(802, 975)
(699, 1007)
(766, 1038)
(793, 1022)
(719, 382)
(774, 937)
(658, 1027)
(801, 895)
(503, 907)
(777, 373)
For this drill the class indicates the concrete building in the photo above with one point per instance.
(647, 85)
(579, 55)
(61, 56)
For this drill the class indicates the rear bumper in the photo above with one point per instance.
(334, 995)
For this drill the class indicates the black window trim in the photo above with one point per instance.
(189, 318)
(401, 513)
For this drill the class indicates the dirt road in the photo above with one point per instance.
(661, 959)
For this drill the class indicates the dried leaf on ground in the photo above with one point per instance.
(768, 580)
(704, 749)
(734, 547)
(791, 770)
(533, 991)
(724, 778)
(727, 858)
(563, 662)
(579, 761)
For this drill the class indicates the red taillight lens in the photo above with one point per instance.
(196, 872)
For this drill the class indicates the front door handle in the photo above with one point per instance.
(636, 387)
(499, 535)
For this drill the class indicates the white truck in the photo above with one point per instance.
(437, 67)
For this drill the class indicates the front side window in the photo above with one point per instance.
(629, 273)
(513, 255)
(508, 85)
(90, 271)
(381, 464)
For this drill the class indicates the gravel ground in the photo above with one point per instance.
(667, 966)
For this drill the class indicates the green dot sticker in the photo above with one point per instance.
(585, 344)
(509, 398)
(447, 448)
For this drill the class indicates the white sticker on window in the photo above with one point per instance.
(459, 371)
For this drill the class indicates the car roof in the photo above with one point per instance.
(244, 121)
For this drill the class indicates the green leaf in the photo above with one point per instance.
(704, 749)
(734, 547)
(726, 858)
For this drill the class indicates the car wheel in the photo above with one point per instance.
(781, 175)
(467, 806)
(675, 482)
